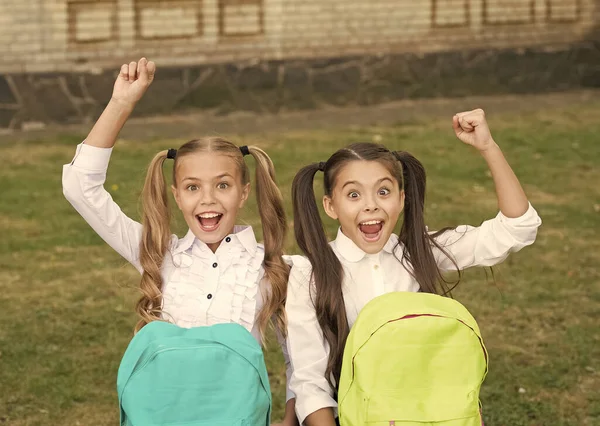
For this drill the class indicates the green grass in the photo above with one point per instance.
(67, 299)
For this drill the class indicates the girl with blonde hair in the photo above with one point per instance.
(218, 272)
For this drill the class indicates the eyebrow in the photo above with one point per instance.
(384, 179)
(350, 182)
(221, 176)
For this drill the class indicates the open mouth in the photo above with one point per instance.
(209, 221)
(371, 230)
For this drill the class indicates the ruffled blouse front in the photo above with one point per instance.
(206, 288)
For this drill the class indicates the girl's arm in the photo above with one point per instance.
(307, 350)
(471, 128)
(290, 418)
(83, 179)
(322, 417)
(516, 224)
(131, 84)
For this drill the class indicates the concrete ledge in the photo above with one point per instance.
(32, 100)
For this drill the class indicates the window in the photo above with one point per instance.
(241, 17)
(563, 10)
(502, 12)
(450, 13)
(92, 21)
(167, 19)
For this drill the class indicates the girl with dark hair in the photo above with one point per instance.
(367, 189)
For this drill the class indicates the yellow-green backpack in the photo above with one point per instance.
(412, 359)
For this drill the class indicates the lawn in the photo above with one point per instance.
(67, 299)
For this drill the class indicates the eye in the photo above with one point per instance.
(223, 185)
(353, 194)
(192, 187)
(384, 191)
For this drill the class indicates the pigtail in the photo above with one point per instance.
(156, 234)
(413, 234)
(274, 225)
(327, 269)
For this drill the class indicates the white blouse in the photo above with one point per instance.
(367, 276)
(200, 287)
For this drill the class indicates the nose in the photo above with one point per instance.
(207, 197)
(370, 205)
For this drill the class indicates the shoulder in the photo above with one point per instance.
(296, 260)
(299, 263)
(300, 271)
(300, 281)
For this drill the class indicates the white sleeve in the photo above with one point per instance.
(83, 186)
(284, 350)
(288, 366)
(488, 244)
(307, 348)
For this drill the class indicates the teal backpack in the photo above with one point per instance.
(412, 359)
(203, 376)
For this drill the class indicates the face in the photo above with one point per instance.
(367, 201)
(209, 193)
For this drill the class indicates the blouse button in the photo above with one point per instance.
(228, 239)
(215, 265)
(209, 296)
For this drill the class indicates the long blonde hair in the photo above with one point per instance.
(156, 233)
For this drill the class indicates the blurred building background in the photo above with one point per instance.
(58, 58)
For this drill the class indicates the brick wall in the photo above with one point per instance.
(72, 46)
(84, 35)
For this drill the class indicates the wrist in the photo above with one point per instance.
(491, 148)
(122, 105)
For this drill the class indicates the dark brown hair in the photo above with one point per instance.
(156, 231)
(417, 254)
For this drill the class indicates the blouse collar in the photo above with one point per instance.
(352, 253)
(243, 235)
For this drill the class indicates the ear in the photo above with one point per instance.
(402, 199)
(329, 208)
(176, 196)
(245, 194)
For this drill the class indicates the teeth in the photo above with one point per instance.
(209, 215)
(371, 222)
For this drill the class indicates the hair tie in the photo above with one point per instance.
(244, 150)
(171, 153)
(322, 166)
